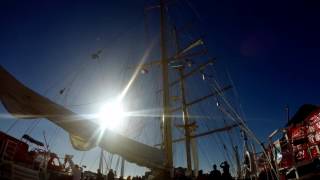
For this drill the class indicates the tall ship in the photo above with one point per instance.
(172, 113)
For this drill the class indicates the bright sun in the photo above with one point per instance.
(111, 116)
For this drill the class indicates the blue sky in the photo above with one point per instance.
(270, 48)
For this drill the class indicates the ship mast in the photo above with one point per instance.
(166, 118)
(166, 124)
(185, 115)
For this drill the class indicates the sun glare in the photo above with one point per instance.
(111, 116)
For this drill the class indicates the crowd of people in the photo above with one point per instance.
(215, 174)
(179, 174)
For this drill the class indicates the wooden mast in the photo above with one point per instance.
(166, 118)
(185, 115)
(166, 124)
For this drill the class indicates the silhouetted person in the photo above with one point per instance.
(225, 168)
(76, 173)
(215, 173)
(110, 175)
(201, 176)
(179, 174)
(99, 175)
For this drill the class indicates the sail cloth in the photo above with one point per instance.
(25, 103)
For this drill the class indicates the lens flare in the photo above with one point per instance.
(111, 116)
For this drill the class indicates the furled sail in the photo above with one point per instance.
(23, 102)
(30, 139)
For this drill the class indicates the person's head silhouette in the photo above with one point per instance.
(214, 167)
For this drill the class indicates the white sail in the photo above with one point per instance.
(23, 102)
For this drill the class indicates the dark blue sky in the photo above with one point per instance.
(270, 48)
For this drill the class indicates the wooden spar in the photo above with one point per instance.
(226, 128)
(192, 45)
(200, 67)
(209, 95)
(185, 76)
(193, 54)
(166, 118)
(170, 59)
(215, 93)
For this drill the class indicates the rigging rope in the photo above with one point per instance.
(200, 108)
(12, 125)
(82, 157)
(94, 162)
(243, 125)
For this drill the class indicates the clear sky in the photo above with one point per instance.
(270, 48)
